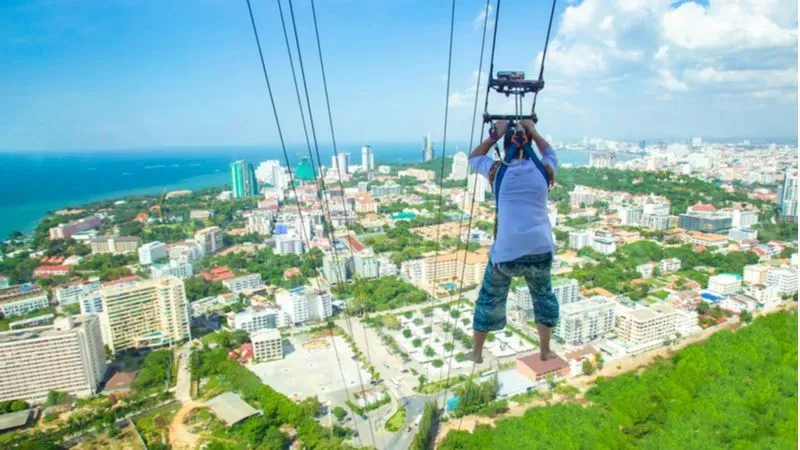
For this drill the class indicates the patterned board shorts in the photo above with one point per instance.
(490, 309)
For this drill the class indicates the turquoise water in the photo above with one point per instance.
(33, 184)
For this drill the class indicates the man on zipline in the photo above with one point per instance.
(523, 243)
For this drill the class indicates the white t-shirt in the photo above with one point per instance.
(523, 227)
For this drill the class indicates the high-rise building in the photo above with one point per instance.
(366, 265)
(602, 160)
(267, 345)
(756, 274)
(271, 172)
(585, 320)
(144, 313)
(259, 221)
(581, 197)
(66, 357)
(209, 239)
(479, 185)
(336, 267)
(565, 290)
(787, 197)
(427, 148)
(243, 180)
(460, 168)
(707, 223)
(304, 304)
(21, 299)
(646, 327)
(152, 252)
(630, 215)
(341, 162)
(604, 244)
(367, 158)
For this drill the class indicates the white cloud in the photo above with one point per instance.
(602, 89)
(481, 17)
(731, 24)
(662, 53)
(782, 78)
(668, 81)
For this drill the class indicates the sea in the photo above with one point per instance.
(33, 184)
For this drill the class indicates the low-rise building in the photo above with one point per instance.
(66, 230)
(738, 303)
(742, 235)
(705, 239)
(646, 270)
(766, 296)
(705, 222)
(604, 245)
(267, 345)
(725, 283)
(645, 328)
(172, 269)
(288, 243)
(185, 252)
(70, 293)
(244, 283)
(536, 370)
(259, 318)
(51, 271)
(67, 357)
(115, 244)
(669, 265)
(22, 299)
(209, 305)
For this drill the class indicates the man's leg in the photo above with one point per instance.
(545, 304)
(490, 309)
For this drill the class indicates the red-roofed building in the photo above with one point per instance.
(50, 271)
(355, 245)
(217, 274)
(291, 272)
(127, 279)
(535, 369)
(243, 354)
(702, 207)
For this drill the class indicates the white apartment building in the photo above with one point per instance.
(420, 174)
(172, 269)
(581, 195)
(566, 290)
(669, 265)
(580, 239)
(604, 244)
(725, 283)
(68, 294)
(267, 345)
(304, 304)
(586, 320)
(259, 221)
(21, 299)
(766, 296)
(91, 302)
(288, 243)
(656, 221)
(630, 215)
(66, 357)
(185, 252)
(460, 167)
(114, 244)
(209, 239)
(152, 252)
(744, 218)
(447, 266)
(784, 279)
(260, 318)
(367, 158)
(244, 283)
(742, 234)
(479, 185)
(366, 265)
(384, 170)
(756, 273)
(738, 303)
(645, 328)
(413, 269)
(335, 268)
(144, 313)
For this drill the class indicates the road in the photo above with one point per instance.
(183, 386)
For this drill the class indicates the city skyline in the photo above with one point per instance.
(624, 71)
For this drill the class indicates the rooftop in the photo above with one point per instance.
(25, 334)
(18, 291)
(230, 408)
(265, 335)
(535, 363)
(14, 419)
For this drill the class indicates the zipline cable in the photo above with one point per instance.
(288, 164)
(324, 199)
(472, 204)
(544, 54)
(444, 152)
(308, 145)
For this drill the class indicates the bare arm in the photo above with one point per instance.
(484, 147)
(541, 144)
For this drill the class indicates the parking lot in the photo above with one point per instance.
(311, 369)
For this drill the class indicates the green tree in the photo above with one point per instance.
(339, 412)
(587, 367)
(421, 380)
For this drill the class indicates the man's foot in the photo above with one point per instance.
(477, 359)
(547, 355)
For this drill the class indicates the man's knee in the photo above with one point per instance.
(546, 310)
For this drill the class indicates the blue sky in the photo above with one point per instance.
(145, 73)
